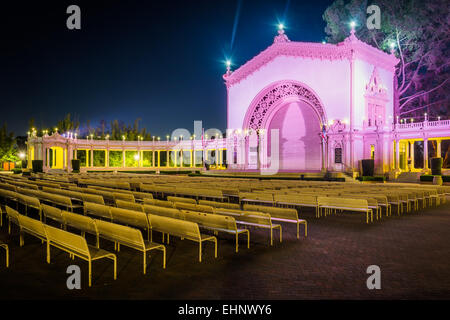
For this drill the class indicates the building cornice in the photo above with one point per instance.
(350, 48)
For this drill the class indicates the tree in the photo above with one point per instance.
(420, 31)
(8, 146)
(116, 130)
(67, 124)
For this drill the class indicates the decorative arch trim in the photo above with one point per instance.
(275, 93)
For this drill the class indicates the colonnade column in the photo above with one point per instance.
(181, 158)
(397, 154)
(107, 158)
(92, 157)
(123, 158)
(47, 157)
(167, 158)
(425, 153)
(64, 158)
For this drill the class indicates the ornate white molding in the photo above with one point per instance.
(259, 109)
(350, 48)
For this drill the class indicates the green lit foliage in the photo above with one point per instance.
(99, 158)
(147, 158)
(115, 158)
(8, 145)
(130, 160)
(81, 155)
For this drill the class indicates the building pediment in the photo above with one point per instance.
(350, 48)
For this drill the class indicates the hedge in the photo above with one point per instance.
(429, 178)
(371, 178)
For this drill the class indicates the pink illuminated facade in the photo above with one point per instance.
(331, 103)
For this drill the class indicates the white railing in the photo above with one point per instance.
(433, 124)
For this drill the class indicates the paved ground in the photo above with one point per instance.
(413, 252)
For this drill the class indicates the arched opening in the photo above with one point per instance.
(299, 140)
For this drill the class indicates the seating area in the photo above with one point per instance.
(127, 209)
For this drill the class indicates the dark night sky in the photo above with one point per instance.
(159, 61)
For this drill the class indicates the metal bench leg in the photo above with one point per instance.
(21, 240)
(90, 273)
(215, 248)
(115, 267)
(48, 252)
(144, 264)
(271, 236)
(248, 239)
(200, 251)
(237, 242)
(164, 257)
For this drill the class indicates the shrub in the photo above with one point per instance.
(372, 178)
(429, 178)
(17, 171)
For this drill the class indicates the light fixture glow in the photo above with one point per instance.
(280, 26)
(352, 24)
(22, 155)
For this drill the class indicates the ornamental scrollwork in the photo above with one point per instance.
(278, 93)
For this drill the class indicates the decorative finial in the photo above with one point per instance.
(281, 37)
(352, 26)
(352, 37)
(228, 64)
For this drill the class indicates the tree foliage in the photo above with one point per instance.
(8, 146)
(114, 131)
(420, 31)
